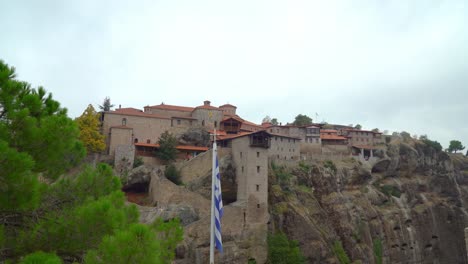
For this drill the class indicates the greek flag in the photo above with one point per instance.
(218, 210)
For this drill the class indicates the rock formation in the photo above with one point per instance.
(408, 207)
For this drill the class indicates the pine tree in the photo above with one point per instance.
(89, 126)
(167, 147)
(56, 218)
(106, 105)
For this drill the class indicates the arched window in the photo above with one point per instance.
(136, 140)
(124, 121)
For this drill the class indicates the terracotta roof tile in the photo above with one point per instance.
(331, 137)
(172, 107)
(207, 107)
(133, 113)
(227, 105)
(128, 109)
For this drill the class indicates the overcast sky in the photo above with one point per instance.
(395, 65)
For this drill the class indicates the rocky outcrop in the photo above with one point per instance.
(411, 204)
(408, 207)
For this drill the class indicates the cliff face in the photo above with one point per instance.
(410, 207)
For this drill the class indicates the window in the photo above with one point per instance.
(136, 140)
(240, 155)
(178, 121)
(124, 121)
(258, 205)
(148, 141)
(215, 123)
(258, 169)
(257, 187)
(242, 168)
(203, 123)
(276, 138)
(281, 139)
(289, 140)
(191, 122)
(258, 154)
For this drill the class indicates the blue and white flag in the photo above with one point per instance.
(218, 203)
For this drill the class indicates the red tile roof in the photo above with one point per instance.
(218, 132)
(328, 131)
(179, 147)
(127, 109)
(172, 107)
(235, 117)
(227, 105)
(134, 113)
(208, 107)
(232, 136)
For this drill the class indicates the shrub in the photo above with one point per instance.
(41, 257)
(137, 162)
(281, 250)
(330, 165)
(433, 144)
(378, 251)
(304, 167)
(390, 190)
(340, 253)
(173, 174)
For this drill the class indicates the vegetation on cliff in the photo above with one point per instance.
(47, 216)
(88, 124)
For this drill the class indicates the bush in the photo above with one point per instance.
(137, 162)
(330, 165)
(304, 167)
(433, 144)
(281, 250)
(340, 253)
(41, 257)
(173, 174)
(390, 190)
(378, 251)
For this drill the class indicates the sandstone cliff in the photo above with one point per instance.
(408, 208)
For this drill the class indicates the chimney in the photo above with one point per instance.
(120, 106)
(206, 102)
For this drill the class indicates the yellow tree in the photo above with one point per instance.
(88, 124)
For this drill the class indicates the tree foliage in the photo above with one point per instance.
(266, 119)
(274, 121)
(302, 120)
(455, 145)
(90, 135)
(358, 127)
(106, 105)
(431, 143)
(50, 220)
(167, 147)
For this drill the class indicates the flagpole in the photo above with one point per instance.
(213, 164)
